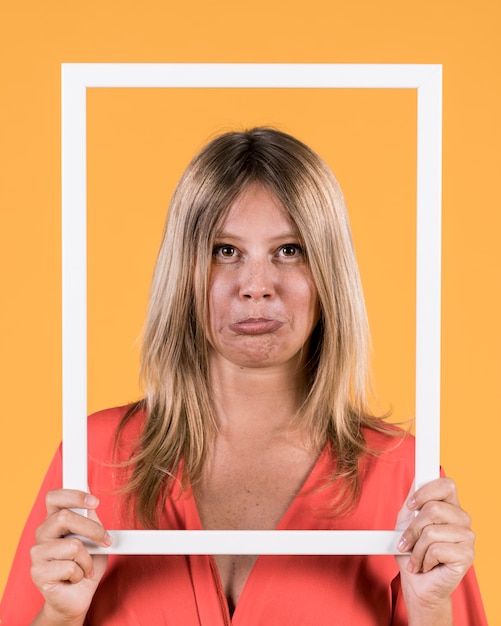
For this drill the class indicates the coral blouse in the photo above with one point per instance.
(294, 590)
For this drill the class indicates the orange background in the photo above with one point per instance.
(139, 142)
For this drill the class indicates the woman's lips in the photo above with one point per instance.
(255, 326)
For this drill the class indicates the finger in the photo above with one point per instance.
(51, 574)
(456, 556)
(67, 549)
(430, 549)
(69, 499)
(108, 538)
(442, 489)
(65, 522)
(433, 514)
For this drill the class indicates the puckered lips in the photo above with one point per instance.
(255, 326)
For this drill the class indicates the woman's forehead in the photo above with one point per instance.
(256, 202)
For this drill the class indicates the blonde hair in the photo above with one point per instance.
(179, 413)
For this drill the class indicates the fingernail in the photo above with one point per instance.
(411, 503)
(108, 539)
(410, 567)
(91, 500)
(402, 544)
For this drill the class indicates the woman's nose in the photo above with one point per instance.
(257, 280)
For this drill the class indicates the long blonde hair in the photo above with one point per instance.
(180, 421)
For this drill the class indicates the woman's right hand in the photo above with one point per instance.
(62, 568)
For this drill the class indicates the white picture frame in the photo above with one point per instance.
(426, 79)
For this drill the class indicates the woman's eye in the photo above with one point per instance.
(224, 251)
(291, 250)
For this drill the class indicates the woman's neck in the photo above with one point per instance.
(256, 402)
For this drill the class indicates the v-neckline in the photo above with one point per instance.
(195, 523)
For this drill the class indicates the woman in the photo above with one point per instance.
(255, 416)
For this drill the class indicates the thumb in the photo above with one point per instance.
(405, 515)
(100, 560)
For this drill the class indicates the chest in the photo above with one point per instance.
(246, 488)
(248, 491)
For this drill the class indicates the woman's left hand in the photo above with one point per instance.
(440, 541)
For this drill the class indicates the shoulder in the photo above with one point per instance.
(390, 440)
(388, 449)
(105, 426)
(387, 470)
(111, 444)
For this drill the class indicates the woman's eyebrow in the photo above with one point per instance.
(285, 235)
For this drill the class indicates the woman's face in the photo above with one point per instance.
(263, 304)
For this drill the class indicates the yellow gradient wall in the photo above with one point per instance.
(139, 142)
